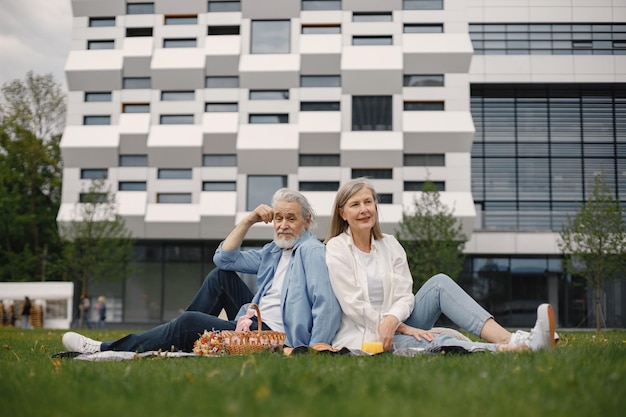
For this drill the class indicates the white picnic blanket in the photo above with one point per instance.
(110, 355)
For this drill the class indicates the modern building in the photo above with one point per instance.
(195, 112)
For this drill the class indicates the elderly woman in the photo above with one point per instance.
(370, 275)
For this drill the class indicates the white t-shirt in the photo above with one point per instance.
(374, 280)
(271, 311)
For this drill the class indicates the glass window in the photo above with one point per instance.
(137, 32)
(385, 198)
(94, 173)
(223, 30)
(176, 119)
(423, 105)
(268, 118)
(133, 160)
(181, 20)
(224, 6)
(93, 198)
(136, 83)
(174, 198)
(174, 174)
(320, 81)
(101, 21)
(101, 44)
(91, 96)
(423, 80)
(179, 43)
(219, 160)
(422, 4)
(371, 113)
(423, 28)
(96, 120)
(136, 108)
(374, 173)
(269, 95)
(219, 186)
(226, 81)
(131, 186)
(139, 8)
(220, 107)
(321, 5)
(424, 160)
(320, 29)
(372, 40)
(419, 185)
(319, 106)
(318, 185)
(270, 37)
(178, 95)
(371, 17)
(319, 160)
(261, 188)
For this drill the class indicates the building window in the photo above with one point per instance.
(94, 174)
(220, 107)
(93, 96)
(224, 6)
(269, 95)
(179, 43)
(133, 160)
(226, 81)
(138, 32)
(423, 28)
(261, 188)
(96, 120)
(319, 160)
(315, 29)
(93, 198)
(319, 106)
(178, 95)
(423, 80)
(136, 108)
(372, 17)
(139, 8)
(176, 119)
(371, 113)
(174, 198)
(361, 40)
(268, 118)
(131, 186)
(424, 160)
(320, 81)
(181, 20)
(385, 198)
(101, 44)
(222, 30)
(318, 185)
(373, 173)
(419, 185)
(174, 174)
(130, 83)
(219, 186)
(227, 160)
(422, 4)
(321, 5)
(423, 105)
(270, 37)
(101, 21)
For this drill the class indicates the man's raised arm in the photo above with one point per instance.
(263, 213)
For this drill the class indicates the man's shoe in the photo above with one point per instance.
(75, 342)
(542, 335)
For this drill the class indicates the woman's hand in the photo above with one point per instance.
(419, 334)
(387, 329)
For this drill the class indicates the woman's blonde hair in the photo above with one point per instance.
(337, 224)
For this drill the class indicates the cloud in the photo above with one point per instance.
(34, 35)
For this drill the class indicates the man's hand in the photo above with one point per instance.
(263, 213)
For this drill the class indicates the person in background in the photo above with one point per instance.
(369, 272)
(83, 311)
(294, 291)
(26, 307)
(102, 312)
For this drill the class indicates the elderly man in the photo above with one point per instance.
(294, 291)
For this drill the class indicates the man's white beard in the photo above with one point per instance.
(283, 243)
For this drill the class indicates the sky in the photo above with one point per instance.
(34, 35)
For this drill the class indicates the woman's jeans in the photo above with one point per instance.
(441, 295)
(220, 289)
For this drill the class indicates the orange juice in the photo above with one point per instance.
(372, 347)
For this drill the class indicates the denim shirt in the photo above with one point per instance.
(310, 310)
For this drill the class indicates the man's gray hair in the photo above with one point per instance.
(289, 195)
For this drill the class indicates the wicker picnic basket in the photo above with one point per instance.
(241, 343)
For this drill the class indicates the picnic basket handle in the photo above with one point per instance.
(258, 314)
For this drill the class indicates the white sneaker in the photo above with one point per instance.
(75, 342)
(542, 335)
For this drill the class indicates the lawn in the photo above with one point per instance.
(584, 376)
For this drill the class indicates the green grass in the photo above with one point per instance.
(584, 376)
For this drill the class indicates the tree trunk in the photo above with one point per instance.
(598, 306)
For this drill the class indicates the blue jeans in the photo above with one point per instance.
(220, 289)
(441, 295)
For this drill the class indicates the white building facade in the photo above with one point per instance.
(195, 112)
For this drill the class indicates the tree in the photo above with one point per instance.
(32, 114)
(432, 237)
(594, 241)
(99, 247)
